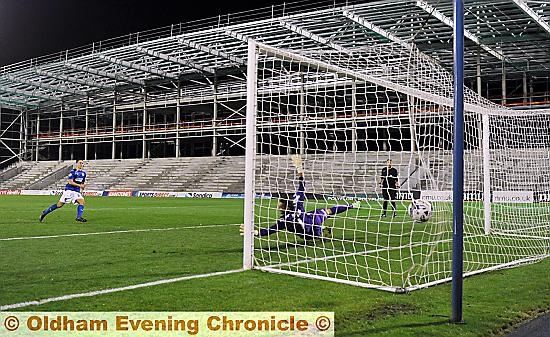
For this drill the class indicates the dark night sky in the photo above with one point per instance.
(33, 28)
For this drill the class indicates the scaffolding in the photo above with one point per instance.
(181, 90)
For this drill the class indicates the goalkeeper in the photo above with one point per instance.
(294, 218)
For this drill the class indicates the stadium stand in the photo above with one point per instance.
(30, 173)
(209, 174)
(351, 173)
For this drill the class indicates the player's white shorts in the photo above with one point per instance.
(70, 196)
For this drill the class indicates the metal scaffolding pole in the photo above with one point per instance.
(525, 100)
(60, 155)
(144, 142)
(121, 126)
(26, 132)
(113, 144)
(37, 136)
(503, 84)
(302, 144)
(21, 135)
(354, 116)
(178, 118)
(87, 113)
(214, 118)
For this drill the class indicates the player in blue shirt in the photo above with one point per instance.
(294, 218)
(72, 193)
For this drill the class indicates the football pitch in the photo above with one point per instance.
(176, 254)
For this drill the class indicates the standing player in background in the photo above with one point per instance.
(389, 183)
(72, 193)
(294, 218)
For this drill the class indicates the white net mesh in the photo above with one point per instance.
(346, 113)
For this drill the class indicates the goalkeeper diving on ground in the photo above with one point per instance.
(307, 225)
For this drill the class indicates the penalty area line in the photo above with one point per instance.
(113, 232)
(114, 290)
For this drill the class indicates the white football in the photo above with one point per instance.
(420, 210)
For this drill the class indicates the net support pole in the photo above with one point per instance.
(458, 162)
(486, 175)
(250, 154)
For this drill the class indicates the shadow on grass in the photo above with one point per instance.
(394, 330)
(367, 323)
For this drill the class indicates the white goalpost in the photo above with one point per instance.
(345, 113)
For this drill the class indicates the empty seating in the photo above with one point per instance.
(32, 172)
(330, 173)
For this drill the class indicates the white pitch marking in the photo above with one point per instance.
(91, 208)
(111, 232)
(114, 290)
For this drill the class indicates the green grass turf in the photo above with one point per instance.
(41, 268)
(390, 251)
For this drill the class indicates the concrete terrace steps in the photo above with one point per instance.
(103, 173)
(31, 173)
(338, 173)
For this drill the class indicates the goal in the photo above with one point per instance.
(346, 112)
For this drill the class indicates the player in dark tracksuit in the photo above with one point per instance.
(389, 183)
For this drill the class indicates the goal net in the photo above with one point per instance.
(345, 113)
